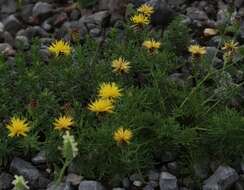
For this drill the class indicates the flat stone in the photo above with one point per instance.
(62, 186)
(167, 181)
(90, 185)
(39, 158)
(1, 27)
(98, 18)
(223, 178)
(6, 181)
(22, 42)
(42, 10)
(6, 49)
(12, 24)
(27, 170)
(73, 179)
(8, 6)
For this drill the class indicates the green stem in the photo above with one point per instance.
(61, 174)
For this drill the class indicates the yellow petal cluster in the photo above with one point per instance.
(109, 90)
(101, 106)
(122, 136)
(230, 46)
(146, 9)
(18, 127)
(197, 50)
(63, 123)
(60, 48)
(120, 65)
(151, 45)
(140, 20)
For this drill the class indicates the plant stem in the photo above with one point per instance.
(66, 164)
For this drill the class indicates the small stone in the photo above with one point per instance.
(40, 158)
(210, 32)
(223, 178)
(153, 175)
(172, 167)
(137, 183)
(148, 187)
(95, 32)
(62, 186)
(46, 25)
(27, 170)
(8, 6)
(196, 14)
(1, 27)
(22, 42)
(99, 18)
(42, 10)
(45, 54)
(60, 19)
(26, 12)
(90, 185)
(75, 14)
(135, 177)
(12, 24)
(168, 181)
(5, 181)
(74, 179)
(6, 49)
(33, 31)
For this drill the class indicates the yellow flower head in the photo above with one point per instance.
(120, 65)
(60, 48)
(101, 106)
(109, 90)
(18, 127)
(146, 9)
(63, 122)
(140, 20)
(151, 45)
(230, 46)
(122, 135)
(197, 50)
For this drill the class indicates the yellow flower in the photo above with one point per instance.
(230, 46)
(140, 20)
(197, 50)
(122, 135)
(60, 48)
(146, 9)
(120, 65)
(101, 106)
(18, 127)
(63, 122)
(151, 45)
(109, 90)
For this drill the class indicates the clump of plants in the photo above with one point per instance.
(116, 110)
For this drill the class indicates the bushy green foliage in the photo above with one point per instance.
(163, 114)
(177, 37)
